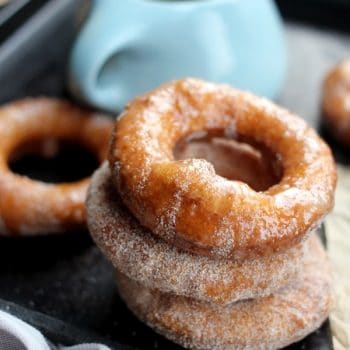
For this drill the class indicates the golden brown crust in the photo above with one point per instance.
(267, 323)
(186, 203)
(336, 102)
(137, 253)
(29, 207)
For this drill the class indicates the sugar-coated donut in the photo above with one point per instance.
(29, 207)
(336, 102)
(133, 250)
(186, 203)
(266, 323)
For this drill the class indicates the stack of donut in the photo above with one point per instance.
(215, 262)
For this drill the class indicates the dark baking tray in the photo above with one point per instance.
(62, 284)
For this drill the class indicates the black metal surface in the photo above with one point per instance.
(15, 14)
(33, 59)
(65, 279)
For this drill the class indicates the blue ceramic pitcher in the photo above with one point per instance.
(127, 47)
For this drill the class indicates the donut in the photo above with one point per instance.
(336, 102)
(29, 207)
(186, 203)
(137, 253)
(272, 322)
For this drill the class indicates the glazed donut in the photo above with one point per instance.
(133, 250)
(336, 102)
(267, 323)
(29, 207)
(186, 203)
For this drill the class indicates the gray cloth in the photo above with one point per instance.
(18, 335)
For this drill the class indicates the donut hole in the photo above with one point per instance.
(238, 159)
(53, 161)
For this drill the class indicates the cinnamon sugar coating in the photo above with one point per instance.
(268, 323)
(187, 204)
(336, 102)
(29, 207)
(143, 257)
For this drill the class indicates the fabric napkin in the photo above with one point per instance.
(18, 335)
(338, 239)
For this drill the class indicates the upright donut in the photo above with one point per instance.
(29, 207)
(336, 102)
(186, 203)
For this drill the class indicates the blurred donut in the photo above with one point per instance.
(29, 207)
(336, 102)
